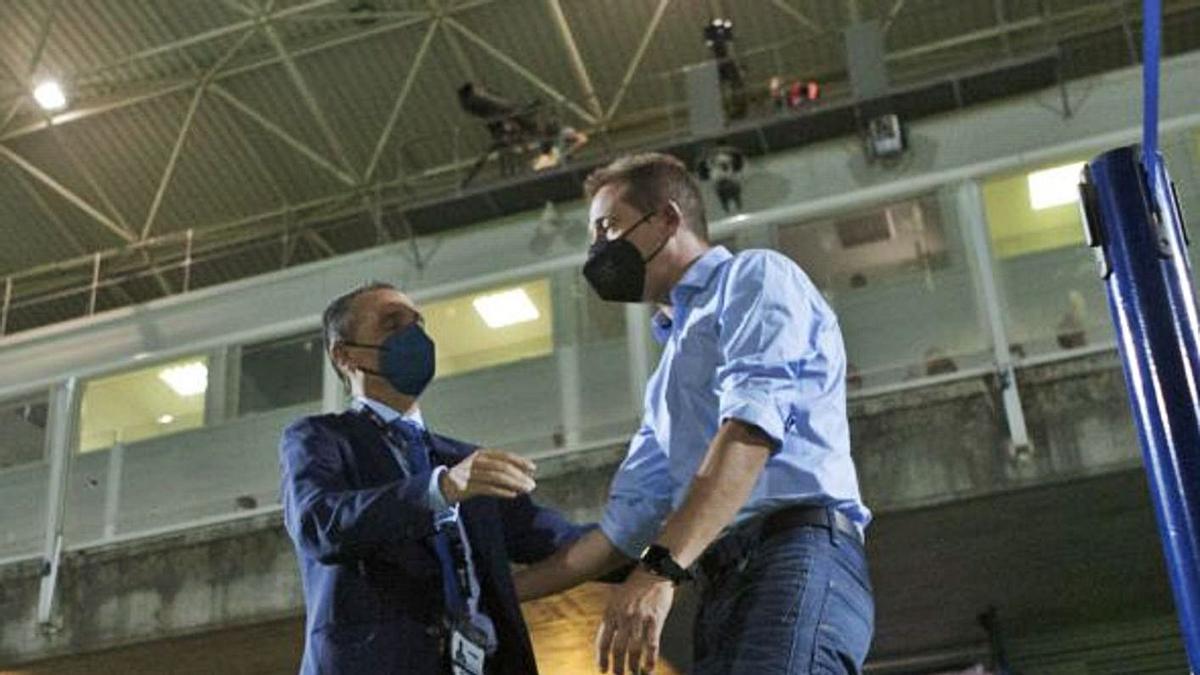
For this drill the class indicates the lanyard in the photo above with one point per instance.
(395, 445)
(447, 539)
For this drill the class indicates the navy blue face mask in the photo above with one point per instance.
(406, 359)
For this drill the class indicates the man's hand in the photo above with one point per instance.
(633, 623)
(488, 473)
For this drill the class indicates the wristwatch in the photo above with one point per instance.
(658, 561)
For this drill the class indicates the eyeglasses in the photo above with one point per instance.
(604, 224)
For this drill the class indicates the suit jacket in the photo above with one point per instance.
(372, 581)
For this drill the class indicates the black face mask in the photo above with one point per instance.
(615, 268)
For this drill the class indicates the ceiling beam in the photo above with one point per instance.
(107, 203)
(890, 19)
(525, 73)
(460, 55)
(188, 120)
(357, 17)
(79, 202)
(965, 38)
(636, 62)
(280, 133)
(50, 214)
(231, 228)
(176, 150)
(255, 156)
(43, 36)
(238, 7)
(172, 87)
(317, 240)
(578, 67)
(309, 98)
(401, 98)
(62, 228)
(800, 17)
(201, 38)
(9, 116)
(90, 179)
(24, 83)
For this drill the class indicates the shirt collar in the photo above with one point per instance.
(695, 279)
(390, 414)
(699, 274)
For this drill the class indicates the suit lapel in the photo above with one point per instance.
(385, 446)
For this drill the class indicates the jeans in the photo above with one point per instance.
(797, 602)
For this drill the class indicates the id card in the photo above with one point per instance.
(467, 652)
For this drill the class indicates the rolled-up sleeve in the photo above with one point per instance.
(765, 334)
(640, 498)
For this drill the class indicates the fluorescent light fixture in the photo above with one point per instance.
(506, 308)
(50, 96)
(1054, 187)
(188, 379)
(165, 419)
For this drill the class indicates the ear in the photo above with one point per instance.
(340, 359)
(673, 215)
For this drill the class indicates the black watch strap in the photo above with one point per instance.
(658, 561)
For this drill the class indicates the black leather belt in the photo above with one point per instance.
(820, 516)
(733, 547)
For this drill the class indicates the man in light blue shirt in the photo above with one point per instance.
(740, 473)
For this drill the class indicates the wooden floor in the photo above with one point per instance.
(564, 630)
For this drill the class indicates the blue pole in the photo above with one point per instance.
(1134, 223)
(1133, 220)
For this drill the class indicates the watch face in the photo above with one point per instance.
(657, 559)
(655, 554)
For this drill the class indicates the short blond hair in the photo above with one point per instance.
(650, 179)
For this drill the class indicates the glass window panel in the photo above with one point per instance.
(23, 474)
(491, 328)
(498, 373)
(897, 276)
(23, 431)
(146, 403)
(1052, 298)
(280, 373)
(1035, 210)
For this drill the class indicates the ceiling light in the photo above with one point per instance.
(50, 96)
(188, 379)
(165, 419)
(506, 308)
(1054, 187)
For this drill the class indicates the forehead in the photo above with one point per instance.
(381, 301)
(607, 201)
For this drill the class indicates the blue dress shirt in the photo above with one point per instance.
(751, 339)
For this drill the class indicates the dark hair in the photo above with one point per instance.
(650, 179)
(337, 321)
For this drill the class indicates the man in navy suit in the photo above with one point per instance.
(404, 537)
